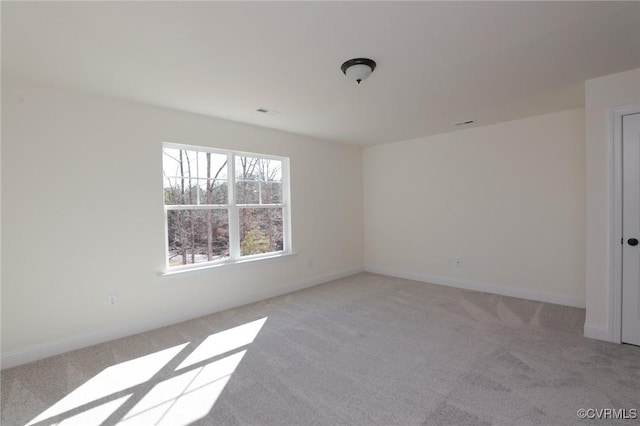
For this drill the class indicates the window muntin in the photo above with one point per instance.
(210, 218)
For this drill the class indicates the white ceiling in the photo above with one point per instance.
(438, 62)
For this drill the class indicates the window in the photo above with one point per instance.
(223, 206)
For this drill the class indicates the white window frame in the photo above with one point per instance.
(233, 210)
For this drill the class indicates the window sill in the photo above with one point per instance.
(280, 257)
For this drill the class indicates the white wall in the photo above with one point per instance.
(508, 199)
(601, 95)
(82, 218)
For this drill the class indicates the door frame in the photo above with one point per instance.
(615, 225)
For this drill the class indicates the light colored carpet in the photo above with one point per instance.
(364, 350)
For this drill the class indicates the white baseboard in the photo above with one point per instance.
(557, 299)
(598, 332)
(61, 346)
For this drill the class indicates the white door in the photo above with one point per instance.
(631, 229)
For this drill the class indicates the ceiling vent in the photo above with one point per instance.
(267, 111)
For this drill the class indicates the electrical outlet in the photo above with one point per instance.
(112, 301)
(309, 263)
(456, 262)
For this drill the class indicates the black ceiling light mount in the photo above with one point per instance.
(358, 69)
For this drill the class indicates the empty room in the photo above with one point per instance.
(328, 213)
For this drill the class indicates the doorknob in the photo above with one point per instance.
(632, 241)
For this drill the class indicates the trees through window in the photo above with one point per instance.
(221, 206)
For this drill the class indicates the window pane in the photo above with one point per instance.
(246, 167)
(260, 230)
(271, 193)
(259, 180)
(179, 162)
(253, 168)
(270, 170)
(197, 236)
(212, 165)
(213, 191)
(247, 192)
(180, 191)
